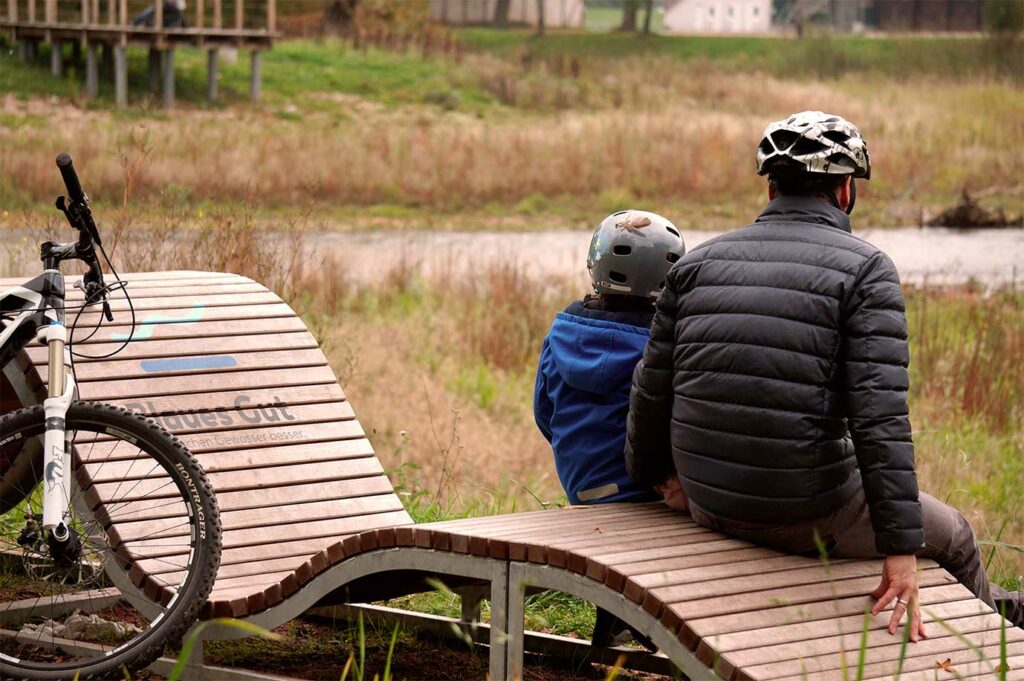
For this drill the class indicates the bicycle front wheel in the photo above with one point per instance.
(140, 562)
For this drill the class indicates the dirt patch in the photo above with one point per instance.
(319, 652)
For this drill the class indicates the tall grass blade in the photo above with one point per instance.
(862, 656)
(348, 667)
(391, 652)
(361, 669)
(1004, 662)
(613, 673)
(903, 652)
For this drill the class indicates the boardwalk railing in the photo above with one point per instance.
(161, 25)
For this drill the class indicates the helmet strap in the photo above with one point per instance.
(853, 196)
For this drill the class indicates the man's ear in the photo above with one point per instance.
(771, 191)
(843, 195)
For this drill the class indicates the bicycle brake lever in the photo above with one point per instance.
(106, 311)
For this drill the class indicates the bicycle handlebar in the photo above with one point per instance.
(67, 171)
(80, 218)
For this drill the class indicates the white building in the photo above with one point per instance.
(749, 17)
(557, 13)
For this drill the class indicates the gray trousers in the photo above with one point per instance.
(847, 533)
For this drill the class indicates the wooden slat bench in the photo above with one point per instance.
(310, 517)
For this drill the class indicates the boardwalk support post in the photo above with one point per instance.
(92, 74)
(121, 76)
(211, 75)
(154, 70)
(57, 59)
(256, 83)
(169, 77)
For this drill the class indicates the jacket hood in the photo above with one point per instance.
(595, 354)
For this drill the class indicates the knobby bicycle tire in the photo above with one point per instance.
(148, 533)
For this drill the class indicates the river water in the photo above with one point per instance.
(993, 257)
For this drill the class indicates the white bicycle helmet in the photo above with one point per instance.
(813, 142)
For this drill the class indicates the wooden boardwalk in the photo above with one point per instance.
(105, 29)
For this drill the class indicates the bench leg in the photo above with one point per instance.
(499, 638)
(517, 583)
(472, 598)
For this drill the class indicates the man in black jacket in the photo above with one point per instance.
(775, 381)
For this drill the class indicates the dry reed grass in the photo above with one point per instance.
(686, 135)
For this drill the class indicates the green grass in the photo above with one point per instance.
(824, 56)
(299, 73)
(306, 73)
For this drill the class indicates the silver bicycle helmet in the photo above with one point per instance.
(813, 142)
(630, 253)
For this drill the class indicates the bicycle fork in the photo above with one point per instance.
(56, 449)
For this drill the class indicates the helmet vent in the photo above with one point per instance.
(672, 230)
(783, 139)
(672, 257)
(622, 249)
(617, 277)
(840, 160)
(807, 146)
(837, 136)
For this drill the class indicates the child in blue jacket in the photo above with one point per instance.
(581, 396)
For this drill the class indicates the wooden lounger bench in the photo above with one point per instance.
(311, 519)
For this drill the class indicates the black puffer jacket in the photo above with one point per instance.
(775, 380)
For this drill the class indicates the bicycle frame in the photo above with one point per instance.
(39, 305)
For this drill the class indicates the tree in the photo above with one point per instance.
(540, 17)
(629, 11)
(501, 10)
(648, 10)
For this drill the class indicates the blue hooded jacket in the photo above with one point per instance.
(581, 399)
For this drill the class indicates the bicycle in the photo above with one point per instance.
(109, 529)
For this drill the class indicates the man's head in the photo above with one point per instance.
(631, 252)
(814, 154)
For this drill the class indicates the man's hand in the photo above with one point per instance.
(899, 583)
(673, 493)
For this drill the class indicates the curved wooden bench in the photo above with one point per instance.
(310, 517)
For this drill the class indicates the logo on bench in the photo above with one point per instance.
(245, 411)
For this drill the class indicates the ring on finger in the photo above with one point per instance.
(902, 602)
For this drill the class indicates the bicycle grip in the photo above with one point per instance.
(67, 171)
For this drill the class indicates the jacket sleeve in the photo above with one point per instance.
(648, 437)
(543, 408)
(873, 367)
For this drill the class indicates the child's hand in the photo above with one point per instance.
(673, 493)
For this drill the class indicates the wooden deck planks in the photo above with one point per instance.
(882, 660)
